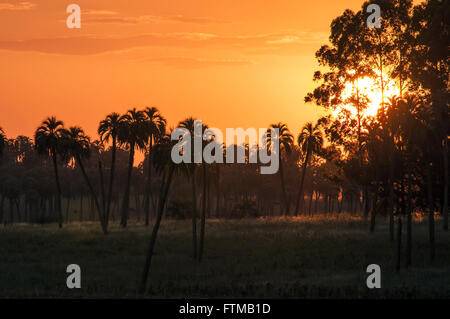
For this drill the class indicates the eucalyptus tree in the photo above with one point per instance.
(310, 140)
(156, 128)
(405, 114)
(132, 134)
(286, 142)
(429, 69)
(78, 147)
(109, 129)
(48, 140)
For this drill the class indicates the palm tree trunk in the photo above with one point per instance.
(194, 215)
(373, 212)
(300, 190)
(94, 196)
(430, 213)
(391, 211)
(316, 201)
(165, 185)
(203, 218)
(126, 196)
(81, 208)
(102, 187)
(399, 243)
(283, 188)
(11, 210)
(111, 179)
(366, 202)
(445, 205)
(2, 203)
(67, 209)
(148, 186)
(217, 190)
(409, 224)
(391, 188)
(58, 188)
(310, 202)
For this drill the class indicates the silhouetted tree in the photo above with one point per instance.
(48, 141)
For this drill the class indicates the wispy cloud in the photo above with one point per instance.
(86, 45)
(106, 16)
(188, 62)
(19, 6)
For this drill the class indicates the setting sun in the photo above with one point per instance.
(371, 89)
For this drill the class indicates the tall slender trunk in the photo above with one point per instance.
(19, 215)
(126, 196)
(316, 201)
(217, 190)
(283, 187)
(11, 210)
(194, 215)
(165, 185)
(67, 209)
(310, 202)
(94, 196)
(149, 180)
(399, 243)
(111, 178)
(445, 204)
(203, 218)
(409, 223)
(302, 181)
(58, 189)
(373, 212)
(430, 213)
(2, 203)
(366, 202)
(391, 206)
(81, 208)
(102, 187)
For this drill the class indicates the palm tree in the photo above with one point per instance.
(78, 147)
(132, 133)
(156, 128)
(2, 140)
(286, 141)
(205, 182)
(310, 140)
(48, 140)
(165, 166)
(109, 129)
(189, 124)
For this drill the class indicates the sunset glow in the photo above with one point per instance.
(371, 89)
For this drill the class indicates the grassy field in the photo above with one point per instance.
(284, 258)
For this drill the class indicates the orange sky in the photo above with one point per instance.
(230, 63)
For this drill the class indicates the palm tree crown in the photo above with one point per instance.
(77, 142)
(109, 127)
(132, 130)
(286, 139)
(48, 136)
(310, 138)
(2, 140)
